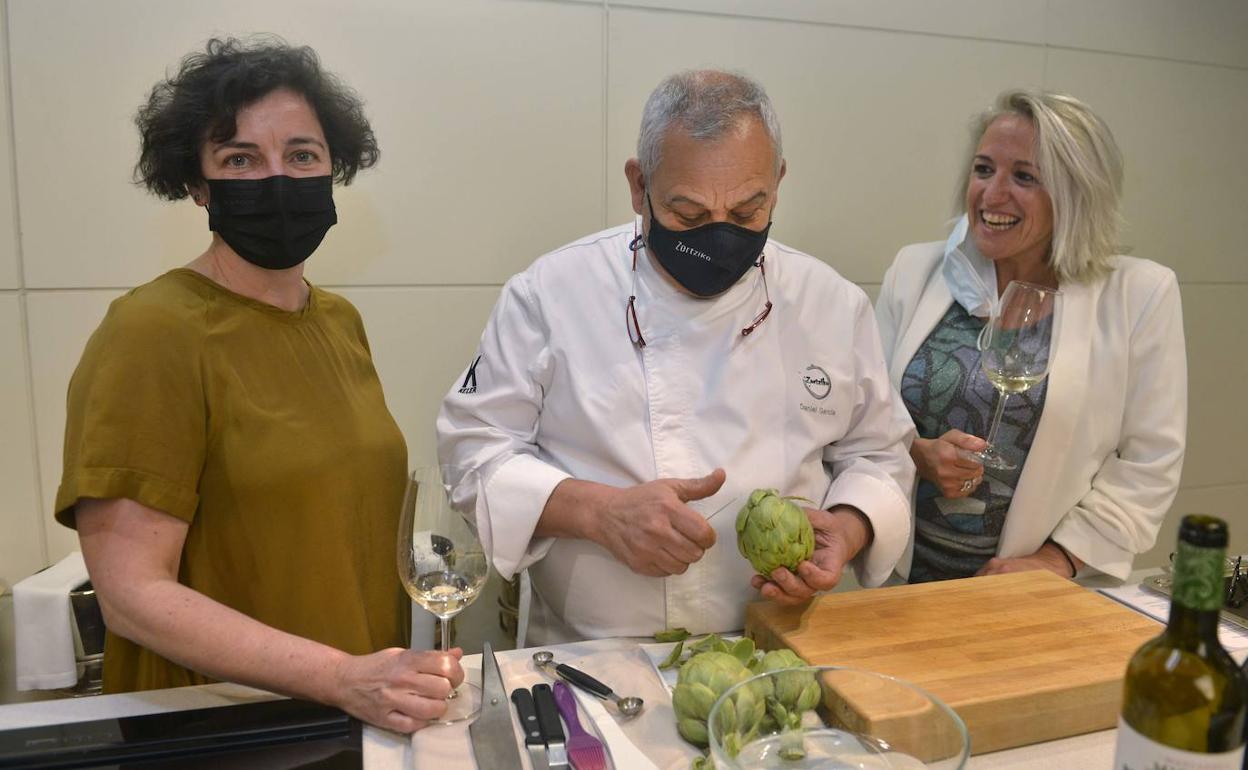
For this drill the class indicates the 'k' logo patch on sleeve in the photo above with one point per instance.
(470, 379)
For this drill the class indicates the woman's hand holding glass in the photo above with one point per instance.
(400, 690)
(950, 462)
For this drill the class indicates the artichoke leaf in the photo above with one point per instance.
(673, 657)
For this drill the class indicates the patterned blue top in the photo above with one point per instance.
(943, 388)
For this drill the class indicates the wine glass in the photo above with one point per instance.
(1015, 348)
(441, 562)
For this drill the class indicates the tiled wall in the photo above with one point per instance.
(504, 127)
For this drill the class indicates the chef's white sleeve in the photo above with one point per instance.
(871, 466)
(487, 428)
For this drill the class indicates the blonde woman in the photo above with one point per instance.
(1103, 437)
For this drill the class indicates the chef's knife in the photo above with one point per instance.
(552, 728)
(533, 739)
(492, 735)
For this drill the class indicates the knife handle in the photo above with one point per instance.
(583, 680)
(547, 713)
(528, 716)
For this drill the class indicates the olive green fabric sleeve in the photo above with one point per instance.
(136, 417)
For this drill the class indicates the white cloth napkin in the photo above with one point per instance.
(43, 627)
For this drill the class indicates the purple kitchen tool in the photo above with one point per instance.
(584, 750)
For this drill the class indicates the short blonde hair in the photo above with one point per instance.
(1080, 168)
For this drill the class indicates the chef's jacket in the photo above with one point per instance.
(557, 389)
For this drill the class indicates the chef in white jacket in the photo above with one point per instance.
(632, 388)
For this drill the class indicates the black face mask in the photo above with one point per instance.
(274, 223)
(708, 259)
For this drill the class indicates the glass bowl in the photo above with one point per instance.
(862, 721)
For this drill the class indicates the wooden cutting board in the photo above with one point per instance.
(1023, 657)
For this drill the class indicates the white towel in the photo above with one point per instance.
(44, 629)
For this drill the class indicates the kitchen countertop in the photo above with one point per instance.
(619, 662)
(447, 747)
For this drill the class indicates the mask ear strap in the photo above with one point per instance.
(630, 312)
(766, 311)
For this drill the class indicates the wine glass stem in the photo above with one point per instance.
(446, 644)
(996, 418)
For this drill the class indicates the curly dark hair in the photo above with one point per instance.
(202, 100)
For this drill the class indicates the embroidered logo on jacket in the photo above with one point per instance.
(817, 383)
(470, 379)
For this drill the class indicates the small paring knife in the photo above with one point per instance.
(551, 727)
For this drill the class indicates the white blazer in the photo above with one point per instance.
(803, 405)
(1104, 466)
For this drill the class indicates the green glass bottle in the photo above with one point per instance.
(1184, 698)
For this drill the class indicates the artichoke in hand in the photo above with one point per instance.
(773, 531)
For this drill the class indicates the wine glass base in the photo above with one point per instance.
(991, 459)
(465, 703)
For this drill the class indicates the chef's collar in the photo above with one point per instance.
(970, 276)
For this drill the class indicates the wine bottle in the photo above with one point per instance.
(1184, 698)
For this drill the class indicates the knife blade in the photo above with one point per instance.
(492, 734)
(533, 739)
(552, 728)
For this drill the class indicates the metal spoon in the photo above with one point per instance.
(628, 706)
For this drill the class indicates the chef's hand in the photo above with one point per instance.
(400, 690)
(649, 528)
(1048, 557)
(839, 535)
(944, 462)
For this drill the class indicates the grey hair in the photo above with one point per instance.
(1080, 168)
(707, 104)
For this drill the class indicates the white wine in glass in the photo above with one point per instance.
(1015, 349)
(441, 562)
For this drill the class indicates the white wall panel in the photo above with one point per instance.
(1225, 502)
(60, 323)
(1210, 31)
(1181, 128)
(488, 112)
(874, 123)
(1214, 319)
(10, 276)
(21, 546)
(422, 340)
(1016, 20)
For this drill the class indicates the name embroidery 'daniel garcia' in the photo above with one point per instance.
(817, 383)
(470, 379)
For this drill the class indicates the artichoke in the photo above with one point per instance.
(791, 693)
(701, 681)
(773, 531)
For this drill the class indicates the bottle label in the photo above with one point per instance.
(1138, 752)
(1198, 580)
